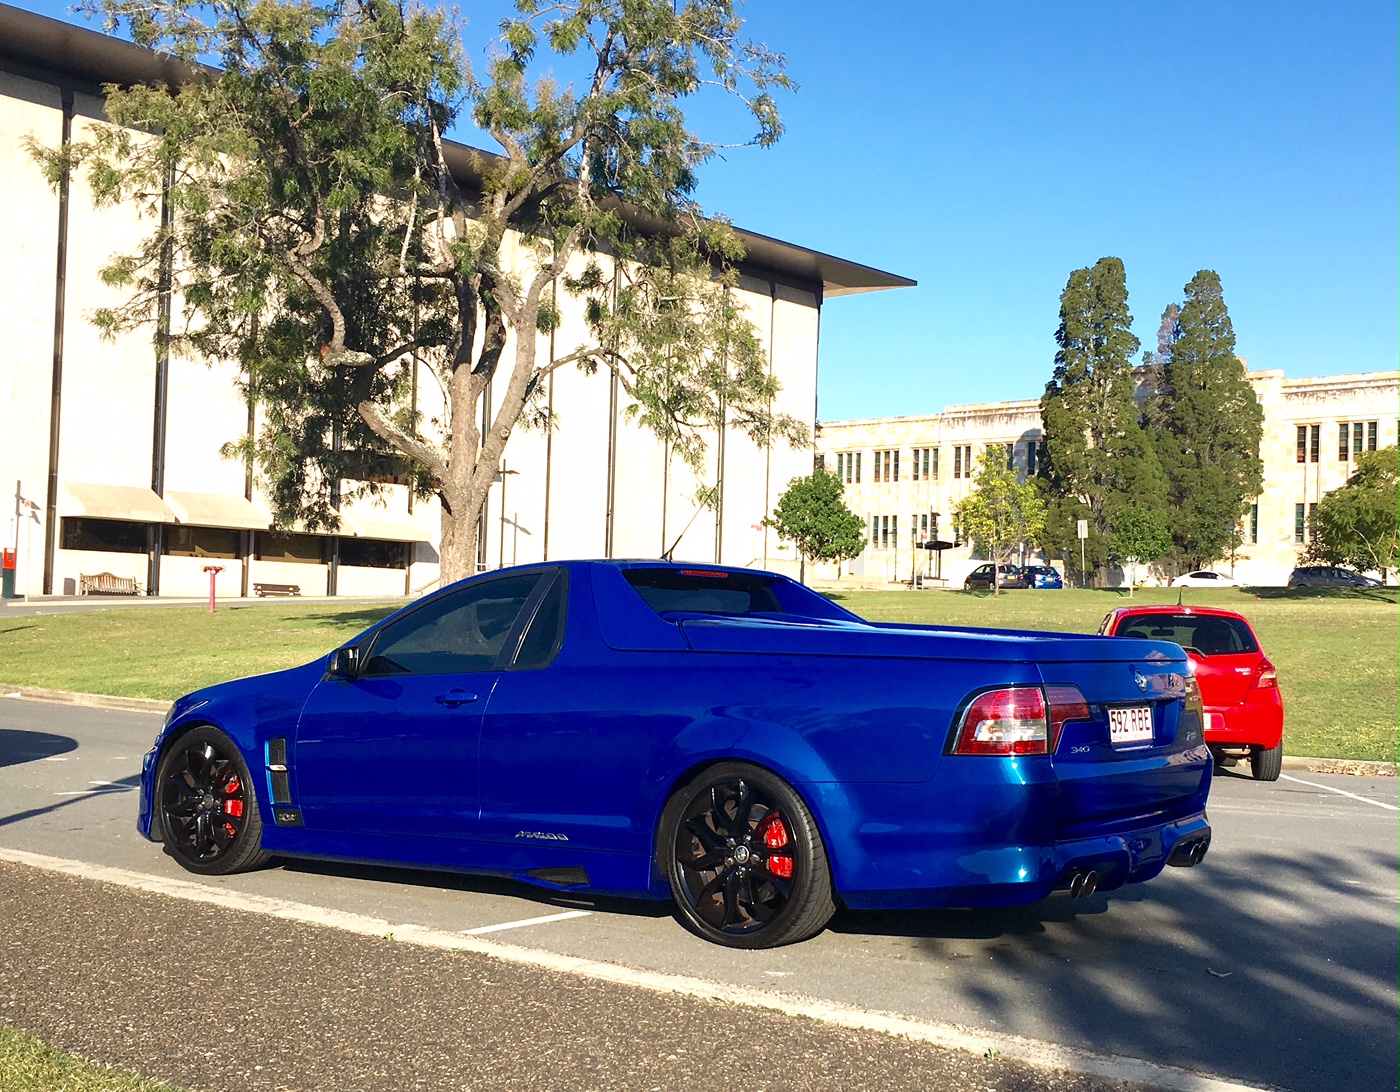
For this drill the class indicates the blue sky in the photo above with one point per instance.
(986, 149)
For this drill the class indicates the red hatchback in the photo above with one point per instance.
(1239, 686)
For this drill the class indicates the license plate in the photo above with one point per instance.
(1132, 724)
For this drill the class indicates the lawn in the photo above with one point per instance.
(27, 1065)
(1336, 652)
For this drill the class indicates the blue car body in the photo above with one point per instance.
(538, 772)
(1044, 576)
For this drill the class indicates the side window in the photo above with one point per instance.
(464, 631)
(546, 632)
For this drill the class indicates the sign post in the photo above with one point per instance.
(213, 571)
(1083, 534)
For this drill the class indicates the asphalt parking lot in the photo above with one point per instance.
(1274, 963)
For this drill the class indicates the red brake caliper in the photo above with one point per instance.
(774, 833)
(233, 806)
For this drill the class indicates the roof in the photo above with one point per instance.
(60, 49)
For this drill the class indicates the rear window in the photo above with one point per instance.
(698, 591)
(1210, 635)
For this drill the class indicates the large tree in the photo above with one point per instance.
(812, 516)
(1356, 525)
(1002, 513)
(1098, 457)
(318, 228)
(1207, 424)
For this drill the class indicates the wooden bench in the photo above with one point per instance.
(107, 584)
(264, 590)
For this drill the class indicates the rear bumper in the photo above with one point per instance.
(1015, 875)
(1258, 722)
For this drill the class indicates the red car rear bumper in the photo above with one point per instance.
(1258, 721)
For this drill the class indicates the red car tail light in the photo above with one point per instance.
(1066, 704)
(1011, 721)
(1266, 676)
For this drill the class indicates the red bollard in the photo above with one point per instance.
(213, 571)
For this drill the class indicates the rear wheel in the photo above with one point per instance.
(208, 809)
(1266, 763)
(745, 859)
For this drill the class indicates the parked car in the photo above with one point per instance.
(1042, 576)
(1329, 576)
(1203, 578)
(1239, 685)
(980, 579)
(722, 737)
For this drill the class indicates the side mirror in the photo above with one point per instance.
(343, 663)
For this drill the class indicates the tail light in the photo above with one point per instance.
(1266, 676)
(1019, 720)
(1005, 722)
(1193, 698)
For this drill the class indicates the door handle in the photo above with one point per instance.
(454, 698)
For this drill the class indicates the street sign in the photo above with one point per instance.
(1083, 528)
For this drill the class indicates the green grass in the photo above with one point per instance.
(163, 652)
(27, 1065)
(1336, 652)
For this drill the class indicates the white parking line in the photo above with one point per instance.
(526, 921)
(101, 787)
(1339, 792)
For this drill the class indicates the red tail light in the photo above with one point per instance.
(1066, 704)
(1267, 676)
(1005, 722)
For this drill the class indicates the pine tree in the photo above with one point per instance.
(1207, 425)
(1099, 459)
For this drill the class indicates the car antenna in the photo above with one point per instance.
(1180, 594)
(666, 556)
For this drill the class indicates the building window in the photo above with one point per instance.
(1298, 524)
(1302, 443)
(1343, 444)
(115, 536)
(201, 542)
(819, 463)
(1316, 451)
(371, 553)
(924, 468)
(1312, 515)
(894, 532)
(848, 467)
(962, 461)
(1032, 457)
(1254, 523)
(1371, 435)
(886, 466)
(874, 530)
(303, 549)
(857, 467)
(1011, 456)
(885, 532)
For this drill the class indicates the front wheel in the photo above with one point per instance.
(208, 809)
(745, 859)
(1266, 763)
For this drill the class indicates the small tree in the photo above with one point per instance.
(1139, 535)
(1001, 513)
(1356, 524)
(812, 516)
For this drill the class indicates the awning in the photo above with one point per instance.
(218, 510)
(129, 502)
(382, 525)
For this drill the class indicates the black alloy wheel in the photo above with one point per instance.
(207, 806)
(745, 859)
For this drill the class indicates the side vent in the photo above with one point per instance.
(277, 771)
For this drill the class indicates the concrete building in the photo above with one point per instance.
(115, 446)
(905, 475)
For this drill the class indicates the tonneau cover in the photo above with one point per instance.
(821, 638)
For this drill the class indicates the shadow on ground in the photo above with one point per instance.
(18, 745)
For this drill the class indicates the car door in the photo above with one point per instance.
(564, 742)
(393, 750)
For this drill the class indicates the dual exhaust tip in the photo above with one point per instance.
(1189, 853)
(1082, 884)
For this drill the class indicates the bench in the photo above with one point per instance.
(264, 590)
(107, 584)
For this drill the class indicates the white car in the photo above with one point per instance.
(1203, 578)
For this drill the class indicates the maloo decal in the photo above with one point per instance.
(542, 835)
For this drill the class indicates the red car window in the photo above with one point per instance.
(1209, 634)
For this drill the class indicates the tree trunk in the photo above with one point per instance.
(457, 551)
(802, 568)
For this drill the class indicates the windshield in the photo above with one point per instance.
(716, 591)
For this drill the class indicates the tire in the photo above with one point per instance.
(1266, 763)
(745, 859)
(208, 807)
